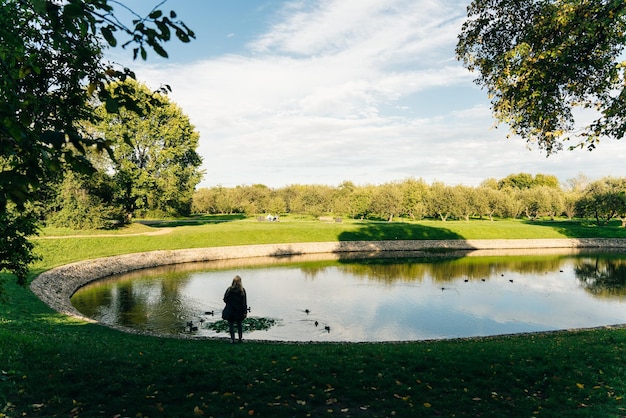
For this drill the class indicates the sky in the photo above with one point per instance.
(325, 91)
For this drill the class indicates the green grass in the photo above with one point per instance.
(52, 365)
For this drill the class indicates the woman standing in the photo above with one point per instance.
(236, 308)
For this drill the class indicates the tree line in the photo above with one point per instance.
(519, 195)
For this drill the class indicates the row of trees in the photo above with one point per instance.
(518, 195)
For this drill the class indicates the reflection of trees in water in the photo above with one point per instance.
(471, 268)
(604, 277)
(136, 302)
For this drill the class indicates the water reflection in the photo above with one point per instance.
(603, 277)
(400, 297)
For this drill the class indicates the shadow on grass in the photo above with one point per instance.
(583, 228)
(397, 231)
(193, 220)
(384, 231)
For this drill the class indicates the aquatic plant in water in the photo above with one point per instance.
(248, 324)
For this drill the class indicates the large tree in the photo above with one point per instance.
(605, 199)
(155, 165)
(51, 61)
(542, 60)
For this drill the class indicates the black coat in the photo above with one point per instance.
(236, 308)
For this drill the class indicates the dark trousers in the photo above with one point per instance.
(231, 328)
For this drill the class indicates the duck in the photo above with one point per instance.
(210, 313)
(306, 311)
(316, 323)
(327, 328)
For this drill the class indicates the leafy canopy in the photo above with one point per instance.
(155, 166)
(543, 60)
(52, 67)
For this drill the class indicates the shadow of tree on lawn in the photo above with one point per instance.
(373, 231)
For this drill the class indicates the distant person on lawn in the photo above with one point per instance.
(236, 308)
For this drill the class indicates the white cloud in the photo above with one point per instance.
(366, 91)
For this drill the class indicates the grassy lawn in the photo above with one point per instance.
(52, 365)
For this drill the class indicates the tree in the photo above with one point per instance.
(512, 203)
(361, 202)
(415, 194)
(526, 181)
(605, 199)
(542, 60)
(570, 200)
(489, 200)
(51, 64)
(16, 252)
(155, 164)
(85, 202)
(517, 181)
(441, 202)
(341, 197)
(387, 201)
(464, 201)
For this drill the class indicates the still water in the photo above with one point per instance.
(314, 298)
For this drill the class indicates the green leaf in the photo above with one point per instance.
(107, 32)
(159, 50)
(111, 105)
(182, 36)
(73, 10)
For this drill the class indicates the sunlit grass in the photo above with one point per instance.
(53, 365)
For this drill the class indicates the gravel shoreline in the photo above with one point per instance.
(56, 286)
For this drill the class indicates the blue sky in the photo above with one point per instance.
(323, 91)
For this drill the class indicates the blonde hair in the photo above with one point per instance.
(236, 285)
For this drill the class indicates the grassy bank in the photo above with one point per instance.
(51, 365)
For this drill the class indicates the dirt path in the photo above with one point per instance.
(161, 231)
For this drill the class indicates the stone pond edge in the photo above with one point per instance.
(56, 286)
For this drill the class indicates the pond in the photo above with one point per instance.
(389, 298)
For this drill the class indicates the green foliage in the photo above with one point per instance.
(15, 249)
(81, 203)
(523, 181)
(155, 166)
(49, 50)
(540, 60)
(52, 67)
(516, 195)
(604, 200)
